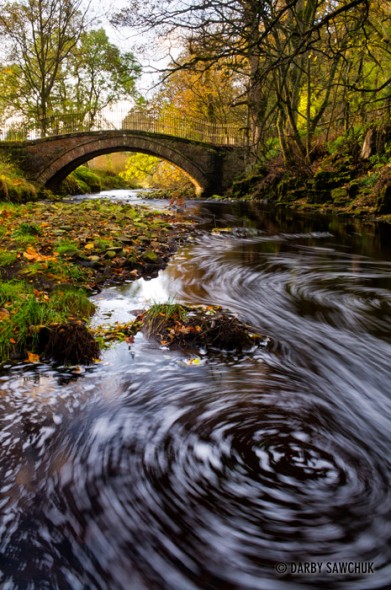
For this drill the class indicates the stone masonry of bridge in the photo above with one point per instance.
(48, 161)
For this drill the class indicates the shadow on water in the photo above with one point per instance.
(269, 471)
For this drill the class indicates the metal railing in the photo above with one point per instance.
(107, 120)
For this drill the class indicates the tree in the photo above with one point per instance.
(41, 35)
(139, 169)
(198, 95)
(270, 43)
(148, 171)
(99, 74)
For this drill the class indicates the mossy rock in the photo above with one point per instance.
(70, 186)
(340, 195)
(86, 177)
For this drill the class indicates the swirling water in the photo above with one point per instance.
(268, 471)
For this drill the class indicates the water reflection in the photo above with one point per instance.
(145, 472)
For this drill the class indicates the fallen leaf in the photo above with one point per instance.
(32, 358)
(185, 329)
(4, 313)
(32, 254)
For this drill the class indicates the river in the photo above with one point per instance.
(152, 471)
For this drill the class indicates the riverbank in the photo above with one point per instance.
(55, 254)
(15, 188)
(344, 178)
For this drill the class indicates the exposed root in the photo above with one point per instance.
(69, 344)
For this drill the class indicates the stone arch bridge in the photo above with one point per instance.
(212, 168)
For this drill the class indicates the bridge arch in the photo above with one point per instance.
(211, 168)
(93, 145)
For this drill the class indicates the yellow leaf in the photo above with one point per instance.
(89, 246)
(4, 313)
(195, 361)
(31, 254)
(32, 358)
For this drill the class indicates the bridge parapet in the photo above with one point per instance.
(109, 120)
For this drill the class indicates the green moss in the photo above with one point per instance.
(349, 143)
(67, 247)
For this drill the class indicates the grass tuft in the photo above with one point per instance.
(160, 315)
(25, 310)
(28, 229)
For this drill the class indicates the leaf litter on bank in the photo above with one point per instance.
(56, 247)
